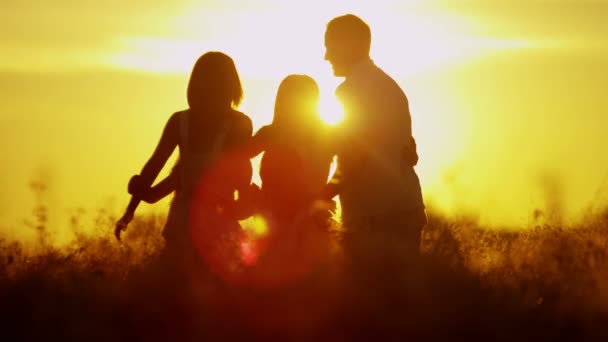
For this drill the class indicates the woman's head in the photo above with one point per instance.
(297, 103)
(214, 82)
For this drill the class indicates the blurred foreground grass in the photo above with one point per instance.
(544, 282)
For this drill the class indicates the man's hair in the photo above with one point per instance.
(353, 29)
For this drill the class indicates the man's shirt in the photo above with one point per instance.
(374, 174)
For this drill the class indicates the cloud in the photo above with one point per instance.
(63, 34)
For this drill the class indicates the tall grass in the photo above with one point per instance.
(544, 282)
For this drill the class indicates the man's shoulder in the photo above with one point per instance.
(342, 89)
(383, 85)
(374, 82)
(369, 76)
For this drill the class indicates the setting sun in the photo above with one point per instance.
(460, 70)
(165, 170)
(332, 113)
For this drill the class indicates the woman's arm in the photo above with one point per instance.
(243, 133)
(157, 192)
(166, 145)
(243, 171)
(163, 189)
(257, 144)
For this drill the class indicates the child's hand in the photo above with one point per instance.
(245, 206)
(122, 224)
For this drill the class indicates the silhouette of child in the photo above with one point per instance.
(297, 154)
(294, 170)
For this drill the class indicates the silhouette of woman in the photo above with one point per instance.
(204, 133)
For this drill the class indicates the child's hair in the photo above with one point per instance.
(296, 105)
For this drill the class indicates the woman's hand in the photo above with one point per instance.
(122, 224)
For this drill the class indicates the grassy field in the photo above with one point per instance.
(541, 283)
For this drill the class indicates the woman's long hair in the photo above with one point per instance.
(214, 88)
(214, 83)
(296, 109)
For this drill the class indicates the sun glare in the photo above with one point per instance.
(331, 111)
(408, 44)
(255, 226)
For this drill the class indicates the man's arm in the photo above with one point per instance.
(409, 152)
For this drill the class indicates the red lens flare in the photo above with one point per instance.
(263, 251)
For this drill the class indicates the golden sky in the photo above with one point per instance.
(507, 97)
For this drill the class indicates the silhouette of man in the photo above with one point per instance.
(382, 207)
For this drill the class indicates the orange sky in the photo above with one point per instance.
(507, 97)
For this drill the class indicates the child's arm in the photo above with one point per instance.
(332, 189)
(332, 142)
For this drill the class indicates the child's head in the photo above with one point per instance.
(297, 103)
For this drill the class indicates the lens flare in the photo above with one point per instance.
(248, 253)
(260, 226)
(255, 228)
(264, 251)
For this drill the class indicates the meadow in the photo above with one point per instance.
(542, 282)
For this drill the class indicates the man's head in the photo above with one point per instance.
(347, 41)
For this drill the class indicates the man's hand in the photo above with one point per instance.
(322, 211)
(410, 154)
(122, 224)
(330, 190)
